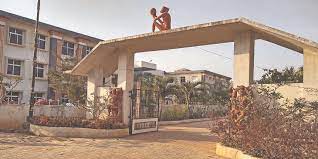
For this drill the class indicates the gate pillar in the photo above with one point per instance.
(244, 59)
(125, 80)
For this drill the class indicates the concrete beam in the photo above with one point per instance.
(196, 35)
(125, 80)
(310, 68)
(244, 59)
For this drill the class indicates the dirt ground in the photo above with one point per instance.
(184, 141)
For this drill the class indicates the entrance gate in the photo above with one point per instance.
(144, 111)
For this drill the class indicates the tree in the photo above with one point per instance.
(155, 87)
(72, 86)
(7, 84)
(188, 90)
(216, 93)
(288, 74)
(165, 87)
(96, 106)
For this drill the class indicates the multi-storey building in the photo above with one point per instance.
(16, 54)
(143, 67)
(185, 75)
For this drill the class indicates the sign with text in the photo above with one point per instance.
(144, 125)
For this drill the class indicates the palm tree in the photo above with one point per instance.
(157, 86)
(165, 86)
(188, 90)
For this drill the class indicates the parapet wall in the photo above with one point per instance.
(14, 116)
(291, 91)
(77, 132)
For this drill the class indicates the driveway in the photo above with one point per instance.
(183, 141)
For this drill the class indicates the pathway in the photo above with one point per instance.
(183, 141)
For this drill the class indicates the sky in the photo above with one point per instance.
(109, 19)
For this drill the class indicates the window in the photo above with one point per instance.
(64, 99)
(39, 70)
(14, 67)
(38, 96)
(41, 41)
(86, 50)
(13, 97)
(15, 36)
(68, 49)
(182, 79)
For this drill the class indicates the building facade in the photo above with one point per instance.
(16, 54)
(186, 75)
(143, 67)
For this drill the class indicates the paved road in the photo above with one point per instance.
(184, 141)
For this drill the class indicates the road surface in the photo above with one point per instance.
(183, 141)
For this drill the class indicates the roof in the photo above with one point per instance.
(190, 36)
(48, 26)
(198, 72)
(143, 69)
(182, 70)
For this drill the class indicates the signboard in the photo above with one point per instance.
(144, 125)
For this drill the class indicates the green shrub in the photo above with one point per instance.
(174, 113)
(76, 122)
(268, 128)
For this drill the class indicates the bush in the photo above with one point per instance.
(208, 111)
(199, 112)
(174, 113)
(76, 122)
(261, 126)
(179, 112)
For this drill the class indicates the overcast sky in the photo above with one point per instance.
(108, 19)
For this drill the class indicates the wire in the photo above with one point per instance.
(220, 55)
(214, 53)
(264, 69)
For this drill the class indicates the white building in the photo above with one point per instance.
(16, 54)
(186, 75)
(142, 67)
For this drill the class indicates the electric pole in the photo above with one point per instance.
(32, 101)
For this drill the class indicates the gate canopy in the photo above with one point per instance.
(105, 53)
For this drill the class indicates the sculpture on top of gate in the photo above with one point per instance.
(163, 21)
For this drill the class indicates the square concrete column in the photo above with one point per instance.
(94, 80)
(311, 68)
(126, 80)
(244, 59)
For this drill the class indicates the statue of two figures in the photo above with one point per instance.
(161, 22)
